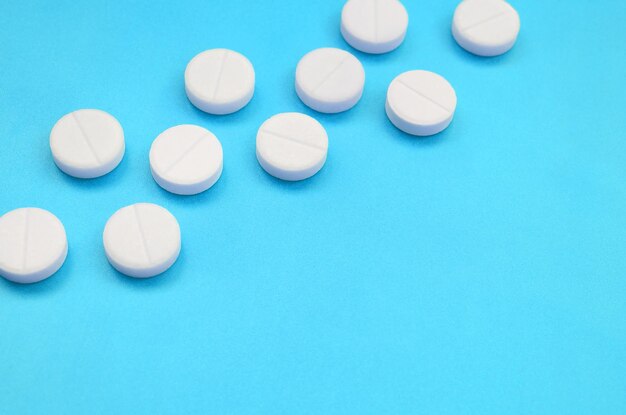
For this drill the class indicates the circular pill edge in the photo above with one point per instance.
(326, 106)
(483, 50)
(188, 188)
(415, 129)
(44, 272)
(369, 46)
(101, 169)
(219, 108)
(290, 174)
(152, 270)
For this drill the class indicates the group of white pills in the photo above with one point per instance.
(144, 240)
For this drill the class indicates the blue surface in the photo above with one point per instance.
(480, 271)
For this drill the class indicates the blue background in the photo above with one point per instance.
(479, 271)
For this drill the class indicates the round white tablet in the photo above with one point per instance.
(186, 159)
(33, 245)
(219, 81)
(329, 80)
(485, 27)
(142, 240)
(374, 26)
(420, 102)
(291, 146)
(87, 143)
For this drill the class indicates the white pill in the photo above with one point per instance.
(420, 102)
(374, 26)
(142, 240)
(87, 143)
(186, 159)
(329, 80)
(33, 245)
(219, 81)
(485, 27)
(291, 146)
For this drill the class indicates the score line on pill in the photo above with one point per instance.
(142, 240)
(374, 26)
(420, 102)
(291, 146)
(33, 245)
(485, 27)
(329, 80)
(186, 159)
(219, 81)
(87, 143)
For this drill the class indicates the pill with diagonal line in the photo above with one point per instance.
(374, 26)
(33, 245)
(485, 27)
(329, 80)
(420, 102)
(291, 146)
(87, 143)
(219, 81)
(186, 159)
(142, 240)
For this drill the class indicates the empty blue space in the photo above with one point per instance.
(478, 271)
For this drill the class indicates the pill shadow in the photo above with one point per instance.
(210, 195)
(41, 288)
(328, 119)
(415, 141)
(389, 59)
(312, 183)
(164, 280)
(110, 179)
(241, 116)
